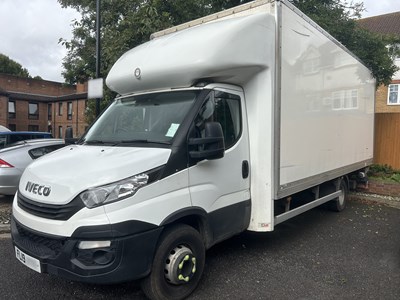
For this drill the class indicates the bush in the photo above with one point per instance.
(395, 177)
(384, 172)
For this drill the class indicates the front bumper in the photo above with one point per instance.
(129, 257)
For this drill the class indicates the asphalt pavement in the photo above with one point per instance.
(320, 254)
(5, 213)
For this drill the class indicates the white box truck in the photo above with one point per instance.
(220, 124)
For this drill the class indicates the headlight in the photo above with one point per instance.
(112, 192)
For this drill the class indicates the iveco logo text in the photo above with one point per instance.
(37, 189)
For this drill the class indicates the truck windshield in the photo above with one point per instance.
(149, 118)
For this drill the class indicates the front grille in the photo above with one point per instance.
(50, 211)
(39, 245)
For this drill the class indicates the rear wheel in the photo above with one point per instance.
(177, 266)
(339, 203)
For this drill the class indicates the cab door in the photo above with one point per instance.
(221, 186)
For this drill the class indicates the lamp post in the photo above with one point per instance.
(98, 51)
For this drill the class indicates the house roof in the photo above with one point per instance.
(42, 98)
(384, 24)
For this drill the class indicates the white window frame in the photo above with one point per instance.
(345, 100)
(397, 87)
(311, 66)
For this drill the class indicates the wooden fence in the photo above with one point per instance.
(387, 139)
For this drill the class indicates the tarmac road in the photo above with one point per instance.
(320, 254)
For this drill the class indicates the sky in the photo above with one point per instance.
(30, 31)
(29, 34)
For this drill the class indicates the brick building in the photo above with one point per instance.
(28, 104)
(387, 107)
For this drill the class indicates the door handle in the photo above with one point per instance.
(245, 169)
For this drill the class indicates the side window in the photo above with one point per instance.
(38, 152)
(228, 114)
(224, 108)
(18, 137)
(3, 141)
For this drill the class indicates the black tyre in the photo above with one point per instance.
(177, 266)
(339, 203)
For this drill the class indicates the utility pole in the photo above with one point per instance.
(98, 25)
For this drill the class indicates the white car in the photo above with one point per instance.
(15, 158)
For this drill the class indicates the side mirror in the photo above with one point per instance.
(69, 136)
(212, 146)
(69, 133)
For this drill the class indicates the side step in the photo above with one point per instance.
(299, 210)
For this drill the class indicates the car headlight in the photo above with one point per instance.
(113, 192)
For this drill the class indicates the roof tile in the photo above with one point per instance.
(384, 24)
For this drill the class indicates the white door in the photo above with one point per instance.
(222, 186)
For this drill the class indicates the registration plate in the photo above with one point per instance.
(28, 260)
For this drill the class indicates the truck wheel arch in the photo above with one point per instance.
(195, 217)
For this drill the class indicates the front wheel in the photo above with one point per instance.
(177, 266)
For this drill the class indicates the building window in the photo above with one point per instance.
(12, 127)
(311, 66)
(393, 95)
(336, 100)
(60, 109)
(11, 109)
(33, 111)
(345, 99)
(49, 106)
(394, 51)
(60, 133)
(350, 99)
(69, 114)
(33, 127)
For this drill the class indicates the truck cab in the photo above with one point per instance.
(162, 159)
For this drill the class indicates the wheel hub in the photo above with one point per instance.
(180, 266)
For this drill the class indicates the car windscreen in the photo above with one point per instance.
(149, 118)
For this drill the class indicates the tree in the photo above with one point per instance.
(128, 23)
(11, 67)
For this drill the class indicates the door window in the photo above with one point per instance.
(223, 108)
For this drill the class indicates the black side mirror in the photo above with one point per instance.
(69, 136)
(69, 133)
(212, 145)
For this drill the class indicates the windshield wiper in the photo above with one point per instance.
(97, 142)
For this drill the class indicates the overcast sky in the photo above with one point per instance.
(30, 30)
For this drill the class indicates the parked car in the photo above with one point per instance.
(15, 158)
(3, 128)
(11, 137)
